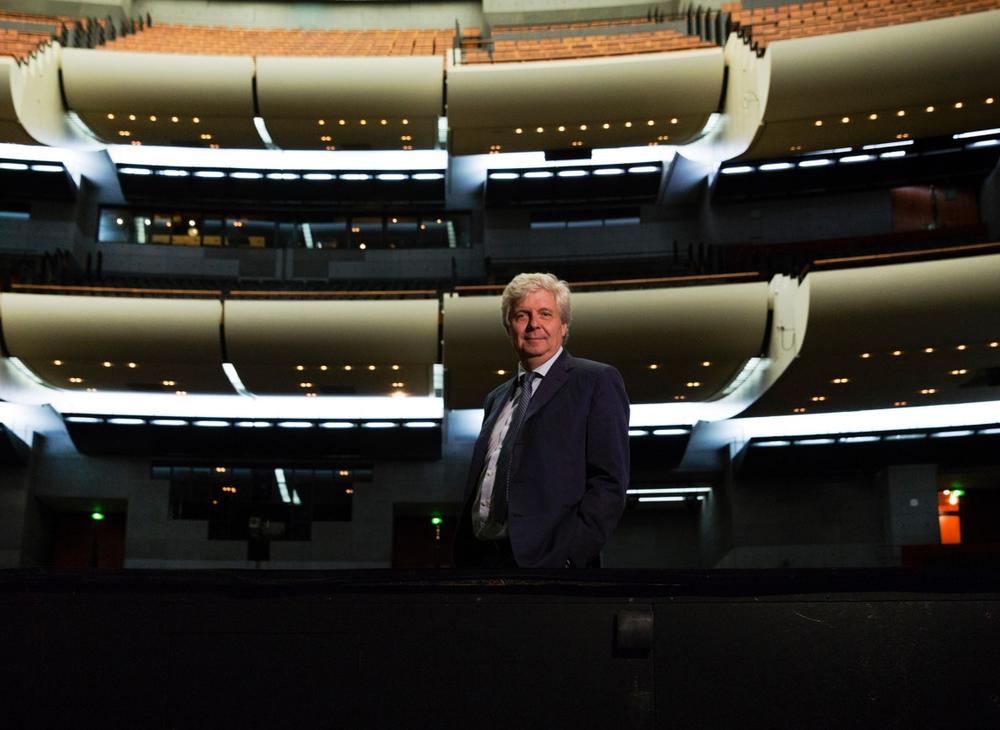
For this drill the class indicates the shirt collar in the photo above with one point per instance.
(543, 369)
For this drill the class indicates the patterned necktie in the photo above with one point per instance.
(501, 484)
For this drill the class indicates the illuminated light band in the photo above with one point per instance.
(467, 422)
(261, 408)
(958, 415)
(977, 133)
(670, 490)
(603, 156)
(234, 379)
(277, 159)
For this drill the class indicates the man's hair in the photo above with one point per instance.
(523, 284)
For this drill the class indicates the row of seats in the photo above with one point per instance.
(824, 17)
(20, 42)
(585, 46)
(578, 25)
(213, 40)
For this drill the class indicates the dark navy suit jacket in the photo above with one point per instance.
(569, 468)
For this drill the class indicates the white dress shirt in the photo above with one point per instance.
(481, 506)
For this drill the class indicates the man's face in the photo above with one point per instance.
(536, 328)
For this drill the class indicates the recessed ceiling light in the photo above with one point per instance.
(928, 350)
(654, 366)
(897, 353)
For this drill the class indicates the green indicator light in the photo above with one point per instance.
(96, 516)
(436, 520)
(958, 492)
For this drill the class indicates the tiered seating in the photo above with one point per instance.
(545, 48)
(18, 41)
(822, 17)
(215, 40)
(578, 25)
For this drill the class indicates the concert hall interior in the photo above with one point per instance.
(251, 259)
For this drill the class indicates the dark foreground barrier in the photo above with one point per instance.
(601, 649)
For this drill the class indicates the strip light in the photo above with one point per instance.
(977, 133)
(670, 490)
(887, 145)
(265, 136)
(274, 159)
(234, 379)
(258, 409)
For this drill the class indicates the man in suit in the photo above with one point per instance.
(549, 470)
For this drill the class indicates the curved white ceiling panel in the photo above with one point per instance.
(671, 345)
(374, 103)
(11, 86)
(662, 98)
(910, 334)
(162, 98)
(117, 343)
(333, 347)
(881, 84)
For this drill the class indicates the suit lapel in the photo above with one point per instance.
(496, 406)
(555, 379)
